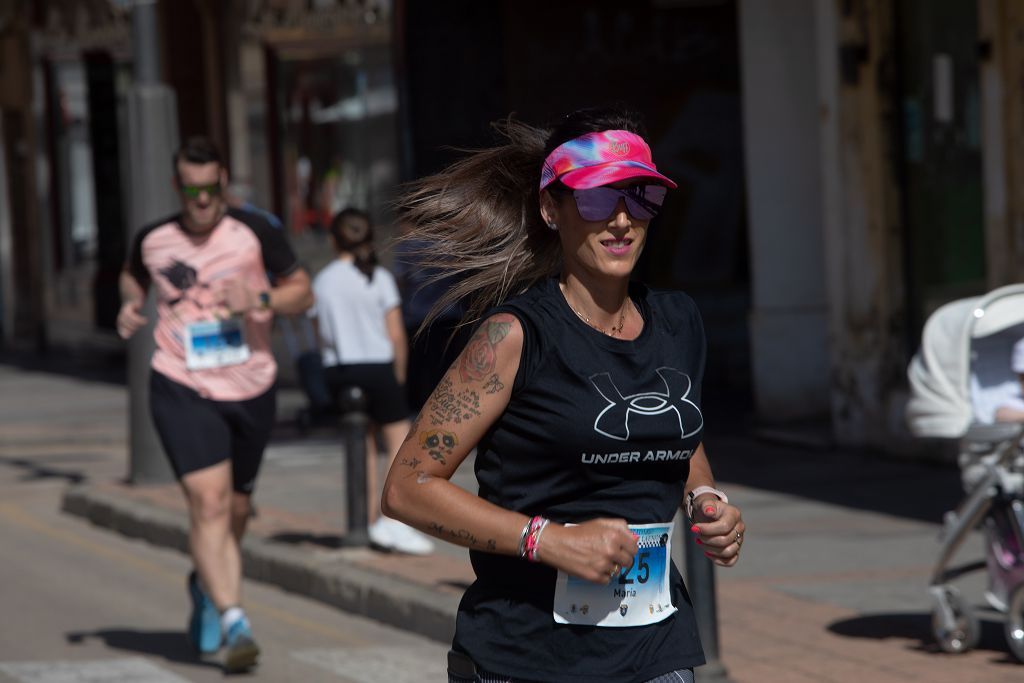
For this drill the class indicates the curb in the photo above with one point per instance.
(326, 577)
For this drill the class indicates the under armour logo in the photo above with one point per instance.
(644, 411)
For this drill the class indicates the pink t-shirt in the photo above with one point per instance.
(187, 272)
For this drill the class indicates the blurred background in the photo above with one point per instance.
(845, 166)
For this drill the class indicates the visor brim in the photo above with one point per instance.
(611, 172)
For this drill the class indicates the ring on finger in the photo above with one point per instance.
(615, 571)
(739, 538)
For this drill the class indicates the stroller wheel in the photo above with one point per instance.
(1015, 623)
(954, 623)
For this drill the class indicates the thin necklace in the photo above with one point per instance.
(617, 329)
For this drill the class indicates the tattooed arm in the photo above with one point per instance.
(464, 405)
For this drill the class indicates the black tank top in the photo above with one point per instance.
(595, 427)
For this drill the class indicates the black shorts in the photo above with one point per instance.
(197, 432)
(384, 396)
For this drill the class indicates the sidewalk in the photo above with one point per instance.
(831, 586)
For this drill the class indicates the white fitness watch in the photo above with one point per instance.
(700, 490)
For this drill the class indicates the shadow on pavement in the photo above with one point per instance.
(864, 480)
(109, 367)
(917, 627)
(302, 538)
(34, 470)
(172, 646)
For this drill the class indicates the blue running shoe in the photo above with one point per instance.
(204, 623)
(241, 649)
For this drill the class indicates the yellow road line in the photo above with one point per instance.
(18, 517)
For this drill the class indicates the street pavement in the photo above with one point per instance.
(831, 586)
(81, 604)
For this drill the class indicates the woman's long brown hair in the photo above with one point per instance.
(479, 219)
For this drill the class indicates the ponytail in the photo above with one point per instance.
(353, 233)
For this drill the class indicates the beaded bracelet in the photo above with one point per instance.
(532, 541)
(535, 547)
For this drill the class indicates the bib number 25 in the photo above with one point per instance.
(643, 570)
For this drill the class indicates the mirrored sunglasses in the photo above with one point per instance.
(193, 191)
(643, 202)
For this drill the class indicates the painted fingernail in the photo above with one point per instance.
(709, 510)
(699, 542)
(694, 529)
(708, 555)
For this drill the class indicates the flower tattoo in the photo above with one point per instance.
(477, 361)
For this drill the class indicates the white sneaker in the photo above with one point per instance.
(380, 534)
(390, 534)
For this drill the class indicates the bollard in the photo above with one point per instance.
(700, 582)
(352, 401)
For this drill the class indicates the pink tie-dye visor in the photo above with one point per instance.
(597, 159)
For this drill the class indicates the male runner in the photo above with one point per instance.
(220, 275)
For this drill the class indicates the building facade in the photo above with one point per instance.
(846, 166)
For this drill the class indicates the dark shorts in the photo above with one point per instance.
(197, 432)
(384, 396)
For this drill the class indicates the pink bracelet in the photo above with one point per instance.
(532, 556)
(529, 544)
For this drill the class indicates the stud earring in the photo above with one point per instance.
(552, 225)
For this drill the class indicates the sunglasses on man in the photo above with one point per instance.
(643, 202)
(193, 191)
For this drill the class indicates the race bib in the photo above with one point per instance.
(638, 596)
(215, 344)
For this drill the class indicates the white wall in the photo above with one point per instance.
(789, 345)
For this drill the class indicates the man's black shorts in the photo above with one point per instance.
(197, 432)
(385, 397)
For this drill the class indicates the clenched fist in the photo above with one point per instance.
(130, 319)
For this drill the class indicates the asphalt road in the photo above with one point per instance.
(80, 604)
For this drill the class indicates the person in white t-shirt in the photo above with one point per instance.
(363, 343)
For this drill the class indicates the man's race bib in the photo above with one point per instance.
(215, 344)
(638, 596)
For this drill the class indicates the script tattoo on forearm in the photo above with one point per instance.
(478, 358)
(411, 463)
(463, 536)
(447, 405)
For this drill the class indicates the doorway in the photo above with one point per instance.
(941, 166)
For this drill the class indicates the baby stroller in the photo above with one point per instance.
(958, 378)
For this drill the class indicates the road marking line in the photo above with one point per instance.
(19, 517)
(133, 669)
(388, 664)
